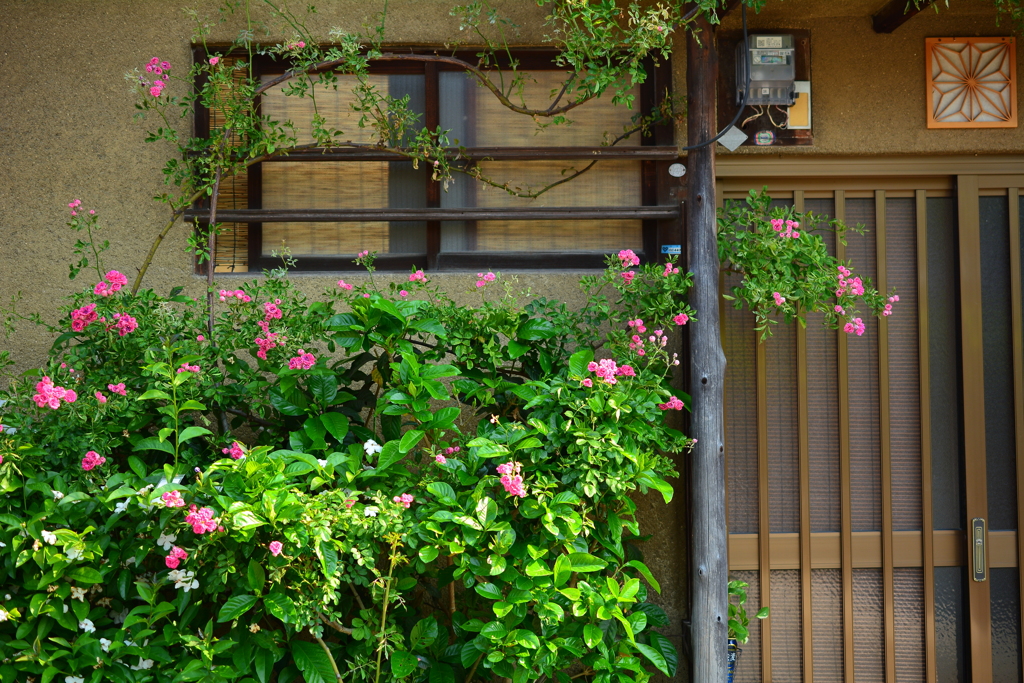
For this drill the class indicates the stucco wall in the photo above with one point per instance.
(868, 89)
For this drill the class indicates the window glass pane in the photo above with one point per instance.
(1006, 659)
(950, 655)
(476, 118)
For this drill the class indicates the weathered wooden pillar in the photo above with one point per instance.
(708, 562)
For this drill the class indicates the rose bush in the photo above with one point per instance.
(384, 485)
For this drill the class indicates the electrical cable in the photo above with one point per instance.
(746, 92)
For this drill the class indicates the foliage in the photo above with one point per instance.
(739, 622)
(786, 267)
(385, 485)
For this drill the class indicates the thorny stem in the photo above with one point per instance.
(334, 665)
(384, 612)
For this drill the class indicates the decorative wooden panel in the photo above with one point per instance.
(972, 82)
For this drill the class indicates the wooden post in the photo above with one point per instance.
(709, 561)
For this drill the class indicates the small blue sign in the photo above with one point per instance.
(671, 249)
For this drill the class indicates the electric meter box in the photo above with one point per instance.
(771, 64)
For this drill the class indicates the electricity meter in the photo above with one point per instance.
(770, 61)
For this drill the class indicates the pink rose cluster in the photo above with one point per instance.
(49, 395)
(405, 500)
(628, 258)
(201, 519)
(673, 403)
(118, 388)
(175, 557)
(226, 294)
(114, 282)
(670, 270)
(303, 361)
(888, 307)
(236, 451)
(125, 324)
(157, 68)
(100, 398)
(855, 326)
(173, 499)
(344, 285)
(512, 479)
(854, 285)
(779, 299)
(82, 317)
(92, 460)
(440, 459)
(790, 231)
(271, 311)
(637, 342)
(627, 276)
(418, 276)
(74, 206)
(214, 61)
(299, 45)
(608, 372)
(485, 278)
(185, 367)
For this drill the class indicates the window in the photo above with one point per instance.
(326, 206)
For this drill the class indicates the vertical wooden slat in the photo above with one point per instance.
(888, 599)
(846, 506)
(1018, 377)
(763, 526)
(928, 531)
(803, 449)
(973, 369)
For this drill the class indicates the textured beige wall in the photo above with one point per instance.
(868, 89)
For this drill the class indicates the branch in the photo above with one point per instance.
(336, 626)
(334, 665)
(477, 73)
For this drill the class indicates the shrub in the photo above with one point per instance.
(382, 485)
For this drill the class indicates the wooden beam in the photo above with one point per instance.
(468, 214)
(896, 13)
(709, 558)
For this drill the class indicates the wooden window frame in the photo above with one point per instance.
(659, 211)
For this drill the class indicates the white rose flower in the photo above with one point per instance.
(4, 614)
(105, 644)
(184, 580)
(322, 463)
(74, 679)
(87, 626)
(166, 541)
(3, 545)
(74, 554)
(121, 507)
(57, 495)
(49, 537)
(371, 511)
(371, 447)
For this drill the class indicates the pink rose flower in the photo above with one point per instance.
(275, 548)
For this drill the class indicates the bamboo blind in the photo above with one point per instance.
(231, 255)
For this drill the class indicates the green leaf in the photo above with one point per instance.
(264, 662)
(655, 657)
(312, 661)
(257, 577)
(563, 570)
(489, 591)
(409, 440)
(486, 511)
(191, 433)
(236, 606)
(402, 663)
(428, 554)
(578, 362)
(154, 394)
(154, 444)
(592, 634)
(515, 349)
(336, 424)
(642, 568)
(191, 405)
(85, 575)
(389, 456)
(667, 650)
(535, 330)
(323, 387)
(280, 606)
(424, 633)
(584, 562)
(138, 467)
(443, 492)
(441, 673)
(292, 403)
(245, 519)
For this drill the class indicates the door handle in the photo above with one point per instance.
(978, 549)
